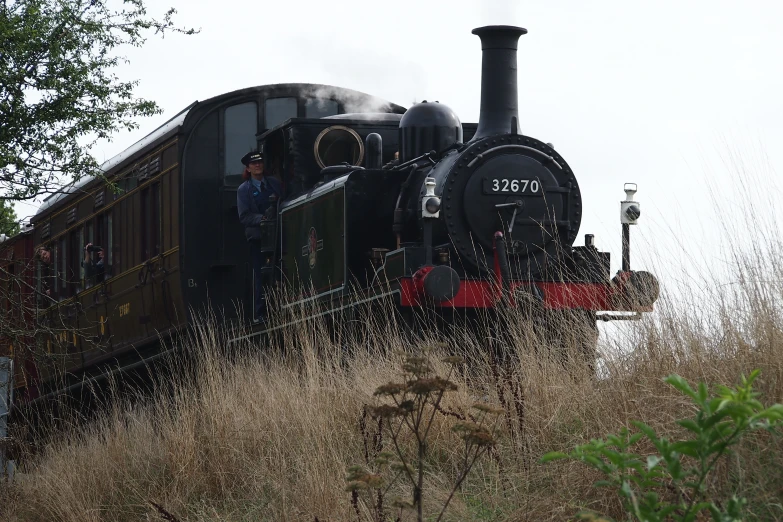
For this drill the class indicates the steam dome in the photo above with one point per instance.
(428, 126)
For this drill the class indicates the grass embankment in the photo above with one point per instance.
(269, 434)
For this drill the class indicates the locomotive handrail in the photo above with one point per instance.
(481, 156)
(398, 217)
(162, 266)
(144, 273)
(426, 155)
(635, 316)
(546, 222)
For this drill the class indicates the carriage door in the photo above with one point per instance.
(240, 125)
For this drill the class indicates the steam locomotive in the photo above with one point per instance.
(467, 217)
(378, 203)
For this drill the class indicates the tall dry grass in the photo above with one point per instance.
(266, 431)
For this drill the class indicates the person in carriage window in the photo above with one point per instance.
(44, 255)
(94, 268)
(252, 202)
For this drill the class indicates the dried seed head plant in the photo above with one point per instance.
(414, 403)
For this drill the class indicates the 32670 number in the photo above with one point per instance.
(511, 186)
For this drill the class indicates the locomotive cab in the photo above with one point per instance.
(327, 218)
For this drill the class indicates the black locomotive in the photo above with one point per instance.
(378, 203)
(467, 216)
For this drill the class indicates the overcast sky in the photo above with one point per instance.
(661, 93)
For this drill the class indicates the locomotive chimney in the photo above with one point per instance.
(499, 100)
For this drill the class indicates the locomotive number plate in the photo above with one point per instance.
(511, 186)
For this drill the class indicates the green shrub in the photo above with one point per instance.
(670, 485)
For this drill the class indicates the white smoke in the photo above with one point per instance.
(353, 101)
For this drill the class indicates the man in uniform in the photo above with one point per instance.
(252, 202)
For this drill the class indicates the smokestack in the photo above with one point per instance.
(499, 99)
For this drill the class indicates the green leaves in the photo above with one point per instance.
(679, 468)
(681, 385)
(58, 92)
(554, 455)
(9, 223)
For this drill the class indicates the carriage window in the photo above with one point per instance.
(92, 273)
(88, 235)
(86, 238)
(100, 230)
(277, 110)
(60, 261)
(73, 273)
(155, 220)
(320, 108)
(109, 242)
(239, 133)
(55, 273)
(119, 255)
(10, 297)
(150, 221)
(40, 273)
(145, 223)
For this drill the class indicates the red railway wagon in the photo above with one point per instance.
(17, 307)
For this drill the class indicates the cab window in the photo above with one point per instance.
(277, 110)
(320, 108)
(239, 135)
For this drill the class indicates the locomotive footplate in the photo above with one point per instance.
(622, 294)
(405, 269)
(403, 262)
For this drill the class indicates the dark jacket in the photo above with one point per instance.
(47, 280)
(252, 203)
(94, 271)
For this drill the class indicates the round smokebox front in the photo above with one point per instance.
(518, 186)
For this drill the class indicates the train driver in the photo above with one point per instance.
(252, 202)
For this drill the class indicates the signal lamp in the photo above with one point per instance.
(432, 205)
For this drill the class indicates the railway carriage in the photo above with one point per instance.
(166, 218)
(17, 305)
